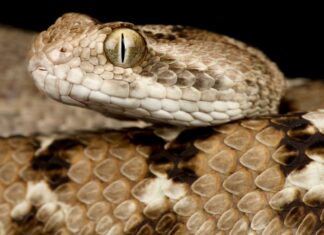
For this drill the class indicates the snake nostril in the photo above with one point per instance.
(63, 49)
(61, 54)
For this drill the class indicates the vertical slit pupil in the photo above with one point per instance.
(122, 48)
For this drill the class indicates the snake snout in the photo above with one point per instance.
(43, 73)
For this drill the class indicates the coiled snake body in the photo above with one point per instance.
(260, 175)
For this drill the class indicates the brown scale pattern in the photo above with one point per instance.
(262, 176)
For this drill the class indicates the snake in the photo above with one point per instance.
(214, 158)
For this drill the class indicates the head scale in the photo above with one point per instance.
(158, 73)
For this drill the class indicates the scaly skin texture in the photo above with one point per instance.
(187, 77)
(24, 110)
(260, 176)
(257, 176)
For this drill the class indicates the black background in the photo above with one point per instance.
(289, 33)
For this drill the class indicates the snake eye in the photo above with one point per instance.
(125, 47)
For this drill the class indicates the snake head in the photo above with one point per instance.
(170, 74)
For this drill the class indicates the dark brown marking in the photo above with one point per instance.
(194, 134)
(185, 154)
(53, 158)
(289, 121)
(26, 218)
(49, 162)
(64, 144)
(176, 156)
(302, 132)
(298, 137)
(317, 146)
(57, 180)
(288, 154)
(182, 175)
(160, 156)
(293, 123)
(179, 151)
(299, 161)
(54, 161)
(287, 106)
(145, 137)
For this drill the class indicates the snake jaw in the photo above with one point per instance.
(187, 77)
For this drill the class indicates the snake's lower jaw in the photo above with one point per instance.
(138, 99)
